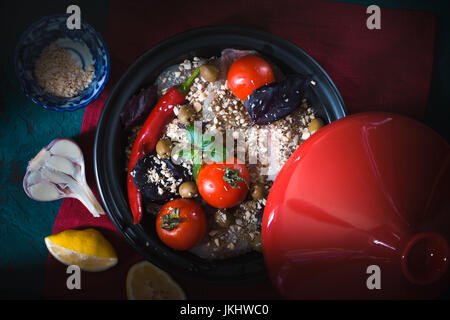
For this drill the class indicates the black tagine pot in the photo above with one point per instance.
(110, 140)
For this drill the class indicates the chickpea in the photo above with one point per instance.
(257, 191)
(315, 125)
(188, 190)
(256, 242)
(164, 148)
(209, 72)
(186, 115)
(222, 218)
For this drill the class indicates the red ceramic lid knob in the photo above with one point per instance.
(361, 210)
(425, 258)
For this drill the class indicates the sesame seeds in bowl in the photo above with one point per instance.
(61, 69)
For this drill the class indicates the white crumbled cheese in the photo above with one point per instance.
(187, 65)
(305, 135)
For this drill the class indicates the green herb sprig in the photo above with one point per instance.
(202, 145)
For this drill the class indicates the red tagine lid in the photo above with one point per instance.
(361, 210)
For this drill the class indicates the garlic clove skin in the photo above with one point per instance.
(66, 148)
(45, 191)
(58, 171)
(59, 163)
(38, 160)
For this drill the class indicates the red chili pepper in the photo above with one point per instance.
(149, 135)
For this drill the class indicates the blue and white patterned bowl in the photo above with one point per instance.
(85, 44)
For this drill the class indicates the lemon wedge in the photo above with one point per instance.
(145, 281)
(86, 248)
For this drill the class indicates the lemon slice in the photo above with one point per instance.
(145, 281)
(86, 248)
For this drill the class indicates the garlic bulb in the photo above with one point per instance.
(58, 171)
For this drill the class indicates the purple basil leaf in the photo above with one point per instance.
(276, 100)
(138, 107)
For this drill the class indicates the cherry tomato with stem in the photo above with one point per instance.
(181, 224)
(224, 184)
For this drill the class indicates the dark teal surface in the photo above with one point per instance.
(25, 128)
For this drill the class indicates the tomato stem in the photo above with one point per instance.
(172, 220)
(232, 177)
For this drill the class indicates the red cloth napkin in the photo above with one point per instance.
(387, 69)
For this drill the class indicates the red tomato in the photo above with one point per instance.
(247, 74)
(181, 224)
(223, 185)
